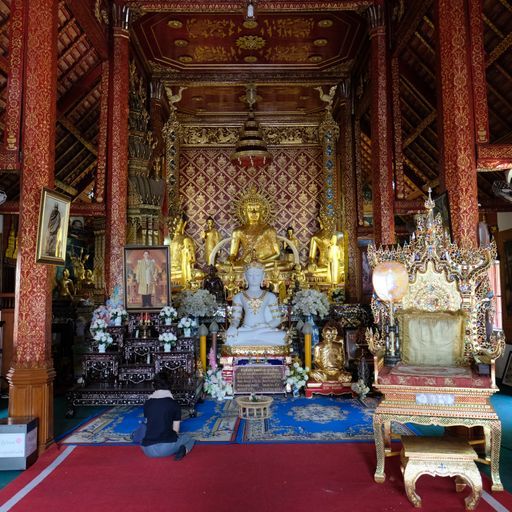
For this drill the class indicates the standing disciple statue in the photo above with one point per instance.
(260, 312)
(66, 288)
(290, 235)
(183, 254)
(211, 238)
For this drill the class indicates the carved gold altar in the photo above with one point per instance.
(442, 319)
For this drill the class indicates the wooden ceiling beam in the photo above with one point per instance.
(78, 91)
(433, 149)
(499, 50)
(76, 133)
(77, 65)
(419, 128)
(416, 9)
(418, 89)
(77, 209)
(84, 173)
(4, 65)
(84, 15)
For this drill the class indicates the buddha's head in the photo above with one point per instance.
(289, 232)
(254, 274)
(65, 273)
(253, 213)
(210, 223)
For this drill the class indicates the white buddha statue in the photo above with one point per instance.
(260, 310)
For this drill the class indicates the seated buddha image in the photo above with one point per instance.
(255, 239)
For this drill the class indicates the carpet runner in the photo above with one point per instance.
(323, 477)
(320, 419)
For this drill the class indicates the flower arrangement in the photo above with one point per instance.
(197, 303)
(360, 388)
(101, 313)
(168, 313)
(186, 322)
(118, 312)
(215, 385)
(310, 302)
(296, 377)
(168, 337)
(103, 338)
(98, 325)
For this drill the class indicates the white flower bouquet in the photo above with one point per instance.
(167, 337)
(168, 313)
(216, 386)
(103, 338)
(119, 312)
(98, 325)
(101, 313)
(197, 303)
(310, 302)
(296, 376)
(186, 322)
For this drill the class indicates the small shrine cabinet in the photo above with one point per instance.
(123, 374)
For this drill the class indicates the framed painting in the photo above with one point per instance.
(52, 229)
(351, 344)
(146, 277)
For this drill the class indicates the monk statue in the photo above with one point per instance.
(183, 254)
(211, 238)
(78, 263)
(255, 238)
(65, 286)
(213, 283)
(260, 312)
(329, 358)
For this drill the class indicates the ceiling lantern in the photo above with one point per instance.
(251, 150)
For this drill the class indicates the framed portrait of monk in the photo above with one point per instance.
(52, 229)
(146, 277)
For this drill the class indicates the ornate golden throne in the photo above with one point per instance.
(426, 366)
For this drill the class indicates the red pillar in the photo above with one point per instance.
(99, 186)
(117, 182)
(381, 128)
(456, 119)
(9, 155)
(31, 374)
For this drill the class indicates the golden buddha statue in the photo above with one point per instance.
(329, 358)
(255, 239)
(287, 250)
(183, 254)
(326, 253)
(211, 238)
(78, 263)
(65, 286)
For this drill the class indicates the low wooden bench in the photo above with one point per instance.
(440, 456)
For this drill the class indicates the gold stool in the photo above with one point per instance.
(255, 408)
(440, 456)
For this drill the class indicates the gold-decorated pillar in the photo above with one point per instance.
(349, 194)
(31, 373)
(117, 182)
(172, 135)
(381, 130)
(329, 132)
(456, 118)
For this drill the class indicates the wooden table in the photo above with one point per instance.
(440, 456)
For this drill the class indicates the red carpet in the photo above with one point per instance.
(227, 478)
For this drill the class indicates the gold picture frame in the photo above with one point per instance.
(52, 229)
(146, 277)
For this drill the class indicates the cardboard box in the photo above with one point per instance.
(18, 442)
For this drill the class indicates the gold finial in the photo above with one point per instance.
(429, 203)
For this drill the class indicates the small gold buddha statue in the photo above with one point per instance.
(329, 358)
(326, 253)
(211, 238)
(65, 286)
(78, 263)
(183, 254)
(287, 250)
(255, 238)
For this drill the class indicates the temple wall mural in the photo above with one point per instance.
(292, 182)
